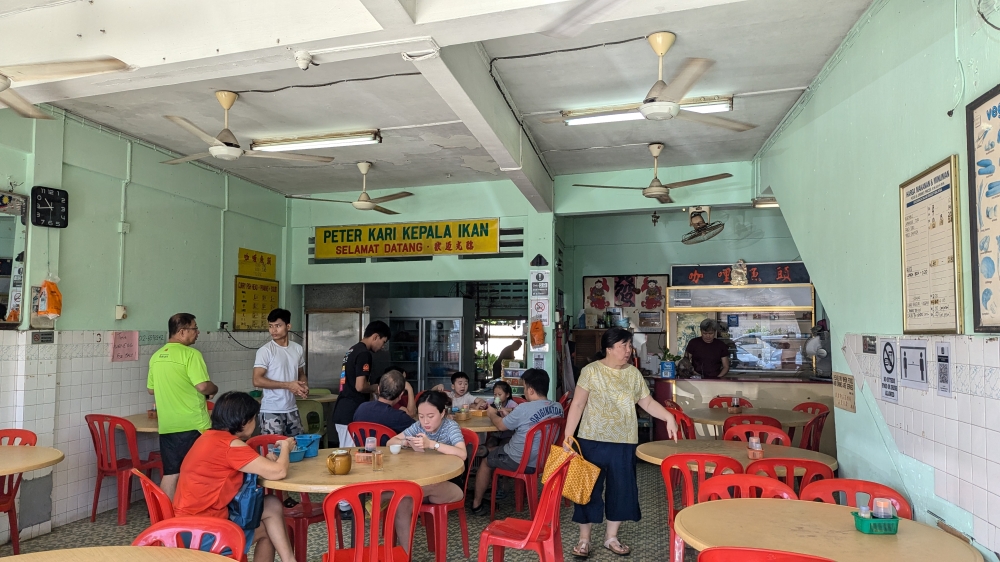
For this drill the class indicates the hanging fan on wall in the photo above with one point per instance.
(48, 71)
(365, 202)
(702, 227)
(224, 146)
(657, 190)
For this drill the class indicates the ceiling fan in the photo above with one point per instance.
(224, 146)
(662, 101)
(48, 71)
(657, 190)
(364, 202)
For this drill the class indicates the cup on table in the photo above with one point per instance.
(394, 449)
(370, 444)
(377, 461)
(882, 508)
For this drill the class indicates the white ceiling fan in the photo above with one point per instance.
(657, 190)
(365, 201)
(663, 100)
(48, 71)
(224, 146)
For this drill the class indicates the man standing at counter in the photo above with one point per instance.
(709, 356)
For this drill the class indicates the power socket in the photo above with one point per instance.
(222, 325)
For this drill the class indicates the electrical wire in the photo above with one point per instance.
(979, 10)
(326, 84)
(226, 330)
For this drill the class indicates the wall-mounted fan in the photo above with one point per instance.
(48, 71)
(365, 201)
(702, 227)
(657, 190)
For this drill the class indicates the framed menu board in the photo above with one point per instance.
(254, 300)
(932, 273)
(982, 120)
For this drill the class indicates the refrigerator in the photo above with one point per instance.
(432, 338)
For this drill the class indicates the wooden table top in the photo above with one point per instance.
(478, 424)
(144, 424)
(15, 458)
(321, 398)
(717, 416)
(819, 529)
(656, 451)
(130, 553)
(312, 476)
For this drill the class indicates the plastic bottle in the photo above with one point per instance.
(865, 512)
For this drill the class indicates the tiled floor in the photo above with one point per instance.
(648, 538)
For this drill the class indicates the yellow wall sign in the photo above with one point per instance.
(257, 264)
(255, 299)
(473, 236)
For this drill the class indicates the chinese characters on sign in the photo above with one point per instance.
(462, 237)
(254, 299)
(757, 274)
(124, 346)
(257, 264)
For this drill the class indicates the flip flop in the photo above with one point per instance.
(582, 549)
(614, 545)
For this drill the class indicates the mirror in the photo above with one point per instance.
(12, 235)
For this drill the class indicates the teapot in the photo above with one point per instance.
(339, 462)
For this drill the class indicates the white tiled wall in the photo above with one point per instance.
(958, 436)
(50, 388)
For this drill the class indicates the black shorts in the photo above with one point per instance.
(499, 459)
(174, 447)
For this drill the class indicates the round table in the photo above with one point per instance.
(321, 398)
(17, 458)
(478, 424)
(718, 416)
(130, 553)
(144, 424)
(819, 529)
(656, 451)
(311, 475)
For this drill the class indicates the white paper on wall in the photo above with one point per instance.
(914, 366)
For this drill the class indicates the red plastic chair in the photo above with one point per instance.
(541, 534)
(671, 405)
(381, 524)
(730, 553)
(813, 431)
(749, 419)
(360, 430)
(810, 470)
(157, 501)
(725, 401)
(564, 401)
(518, 400)
(547, 433)
(729, 486)
(677, 473)
(765, 433)
(435, 515)
(9, 484)
(260, 442)
(823, 490)
(210, 405)
(173, 532)
(813, 408)
(684, 424)
(102, 432)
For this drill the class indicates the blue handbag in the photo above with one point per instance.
(247, 507)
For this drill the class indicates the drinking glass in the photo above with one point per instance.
(377, 461)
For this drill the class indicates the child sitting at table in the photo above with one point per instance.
(459, 393)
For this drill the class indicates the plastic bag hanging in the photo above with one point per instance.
(49, 299)
(537, 333)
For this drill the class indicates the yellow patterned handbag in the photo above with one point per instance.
(581, 476)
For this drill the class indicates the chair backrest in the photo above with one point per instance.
(210, 405)
(813, 431)
(471, 446)
(726, 401)
(102, 432)
(730, 486)
(786, 470)
(766, 434)
(730, 553)
(313, 418)
(684, 424)
(546, 433)
(199, 532)
(157, 500)
(689, 470)
(811, 408)
(671, 405)
(564, 401)
(380, 518)
(824, 490)
(749, 419)
(547, 515)
(320, 391)
(260, 442)
(361, 430)
(10, 483)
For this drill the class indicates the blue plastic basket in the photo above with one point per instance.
(308, 443)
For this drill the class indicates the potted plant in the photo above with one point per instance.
(668, 364)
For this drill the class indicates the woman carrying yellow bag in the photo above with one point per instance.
(604, 409)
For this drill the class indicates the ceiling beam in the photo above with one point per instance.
(461, 77)
(391, 13)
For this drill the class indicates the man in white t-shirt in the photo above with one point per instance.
(280, 369)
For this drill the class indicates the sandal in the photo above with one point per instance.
(582, 549)
(617, 547)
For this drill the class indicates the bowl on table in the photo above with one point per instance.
(296, 455)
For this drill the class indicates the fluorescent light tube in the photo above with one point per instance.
(765, 203)
(718, 107)
(614, 117)
(313, 142)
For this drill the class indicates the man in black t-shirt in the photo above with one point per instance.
(709, 357)
(355, 383)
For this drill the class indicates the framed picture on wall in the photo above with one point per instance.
(633, 294)
(982, 120)
(931, 250)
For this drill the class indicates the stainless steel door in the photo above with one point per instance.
(329, 335)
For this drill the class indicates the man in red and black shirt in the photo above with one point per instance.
(355, 384)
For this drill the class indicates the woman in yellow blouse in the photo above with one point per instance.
(604, 409)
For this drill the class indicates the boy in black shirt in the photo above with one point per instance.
(355, 385)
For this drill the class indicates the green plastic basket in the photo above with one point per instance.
(874, 526)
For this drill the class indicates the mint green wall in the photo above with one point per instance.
(877, 118)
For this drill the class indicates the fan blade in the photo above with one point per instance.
(580, 17)
(385, 211)
(61, 69)
(685, 79)
(665, 199)
(392, 197)
(696, 181)
(605, 186)
(194, 130)
(307, 198)
(288, 156)
(708, 119)
(21, 106)
(198, 156)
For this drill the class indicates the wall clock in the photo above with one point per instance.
(49, 207)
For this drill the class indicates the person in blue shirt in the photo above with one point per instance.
(383, 411)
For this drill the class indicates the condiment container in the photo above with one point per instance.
(754, 442)
(370, 444)
(882, 508)
(339, 462)
(865, 512)
(755, 454)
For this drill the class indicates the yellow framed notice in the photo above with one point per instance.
(257, 264)
(254, 300)
(458, 237)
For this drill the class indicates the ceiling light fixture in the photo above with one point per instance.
(711, 107)
(765, 203)
(332, 140)
(630, 116)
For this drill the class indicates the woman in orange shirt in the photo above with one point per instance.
(212, 473)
